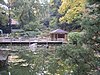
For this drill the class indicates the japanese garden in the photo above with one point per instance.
(49, 37)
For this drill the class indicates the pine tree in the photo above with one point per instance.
(83, 59)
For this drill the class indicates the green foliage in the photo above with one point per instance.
(29, 13)
(3, 73)
(3, 17)
(71, 9)
(34, 62)
(75, 36)
(53, 23)
(67, 59)
(91, 23)
(30, 64)
(81, 61)
(31, 26)
(24, 11)
(32, 33)
(54, 15)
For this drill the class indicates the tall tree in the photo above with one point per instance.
(3, 15)
(27, 11)
(71, 9)
(54, 15)
(23, 11)
(81, 59)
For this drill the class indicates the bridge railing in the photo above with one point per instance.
(21, 39)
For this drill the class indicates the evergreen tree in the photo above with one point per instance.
(84, 58)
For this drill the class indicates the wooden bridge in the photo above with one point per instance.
(30, 42)
(27, 41)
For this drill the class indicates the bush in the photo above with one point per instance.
(75, 37)
(31, 33)
(80, 61)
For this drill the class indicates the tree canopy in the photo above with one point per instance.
(81, 54)
(71, 9)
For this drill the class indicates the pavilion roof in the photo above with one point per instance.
(58, 31)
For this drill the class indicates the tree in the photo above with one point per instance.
(54, 15)
(29, 11)
(71, 9)
(3, 15)
(23, 11)
(90, 23)
(82, 59)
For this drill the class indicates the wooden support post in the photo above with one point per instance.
(57, 38)
(65, 37)
(54, 37)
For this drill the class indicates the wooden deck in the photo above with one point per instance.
(30, 42)
(27, 41)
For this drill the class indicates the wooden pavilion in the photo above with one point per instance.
(58, 35)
